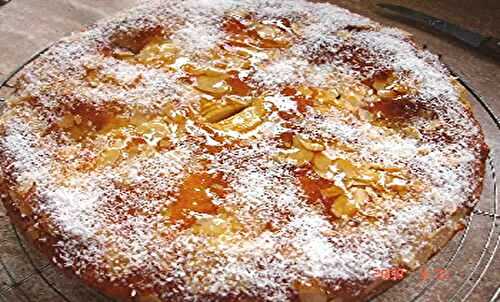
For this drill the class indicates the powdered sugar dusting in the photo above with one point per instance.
(268, 238)
(423, 66)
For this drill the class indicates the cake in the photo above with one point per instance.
(239, 151)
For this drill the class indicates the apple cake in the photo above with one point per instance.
(210, 150)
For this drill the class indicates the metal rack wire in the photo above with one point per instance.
(19, 286)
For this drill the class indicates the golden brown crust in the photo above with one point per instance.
(253, 152)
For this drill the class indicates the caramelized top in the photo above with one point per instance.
(251, 149)
(195, 195)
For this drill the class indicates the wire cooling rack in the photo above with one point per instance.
(454, 274)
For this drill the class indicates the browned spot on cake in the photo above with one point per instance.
(196, 195)
(135, 41)
(244, 31)
(383, 76)
(238, 86)
(398, 109)
(303, 102)
(94, 77)
(286, 139)
(233, 25)
(356, 57)
(312, 185)
(83, 119)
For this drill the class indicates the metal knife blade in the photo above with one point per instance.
(3, 2)
(473, 39)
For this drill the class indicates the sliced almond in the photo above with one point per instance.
(321, 162)
(193, 70)
(300, 142)
(365, 115)
(66, 122)
(305, 91)
(312, 146)
(342, 207)
(434, 124)
(215, 85)
(332, 192)
(268, 32)
(164, 144)
(381, 167)
(353, 99)
(117, 142)
(400, 88)
(367, 176)
(379, 85)
(138, 118)
(108, 157)
(246, 120)
(387, 94)
(122, 54)
(359, 196)
(153, 128)
(157, 54)
(424, 150)
(396, 183)
(219, 111)
(412, 132)
(213, 226)
(302, 156)
(297, 142)
(78, 119)
(345, 166)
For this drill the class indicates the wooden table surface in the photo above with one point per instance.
(27, 26)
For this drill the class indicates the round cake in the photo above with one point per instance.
(239, 151)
